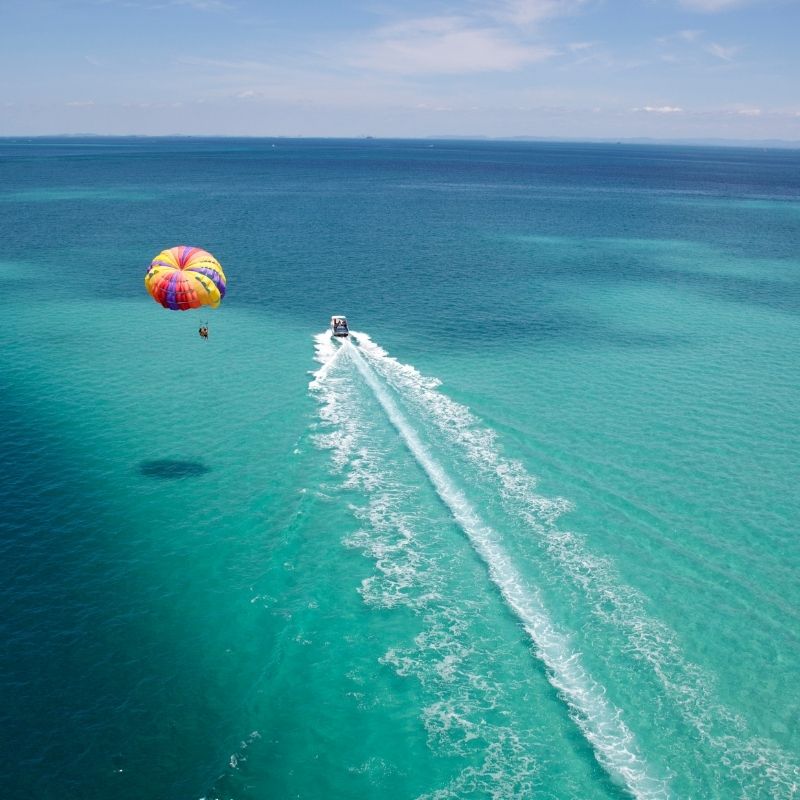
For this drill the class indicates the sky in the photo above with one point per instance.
(578, 69)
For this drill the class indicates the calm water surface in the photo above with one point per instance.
(530, 533)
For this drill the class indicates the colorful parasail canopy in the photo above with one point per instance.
(185, 277)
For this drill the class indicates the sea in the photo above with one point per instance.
(531, 531)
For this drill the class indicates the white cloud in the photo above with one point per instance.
(80, 104)
(483, 36)
(721, 51)
(680, 47)
(446, 45)
(749, 112)
(660, 109)
(156, 5)
(438, 109)
(247, 65)
(689, 35)
(577, 47)
(530, 12)
(148, 106)
(203, 5)
(711, 6)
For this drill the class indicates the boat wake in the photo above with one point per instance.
(759, 766)
(600, 722)
(445, 432)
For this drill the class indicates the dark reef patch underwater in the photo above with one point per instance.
(173, 468)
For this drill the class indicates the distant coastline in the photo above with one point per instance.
(785, 144)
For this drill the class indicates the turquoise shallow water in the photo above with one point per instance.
(532, 533)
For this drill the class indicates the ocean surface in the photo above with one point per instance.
(532, 532)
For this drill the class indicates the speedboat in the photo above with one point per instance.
(339, 325)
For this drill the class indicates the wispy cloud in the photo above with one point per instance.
(154, 5)
(721, 51)
(684, 47)
(579, 47)
(227, 64)
(660, 109)
(203, 5)
(688, 35)
(446, 45)
(531, 12)
(79, 103)
(148, 106)
(484, 36)
(712, 6)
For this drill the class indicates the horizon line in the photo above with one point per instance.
(687, 141)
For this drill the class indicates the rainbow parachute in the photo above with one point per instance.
(185, 277)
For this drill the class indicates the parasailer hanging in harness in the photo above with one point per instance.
(184, 277)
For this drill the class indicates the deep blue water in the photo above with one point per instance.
(530, 534)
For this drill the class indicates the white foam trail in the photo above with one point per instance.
(342, 427)
(458, 698)
(759, 765)
(600, 722)
(327, 354)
